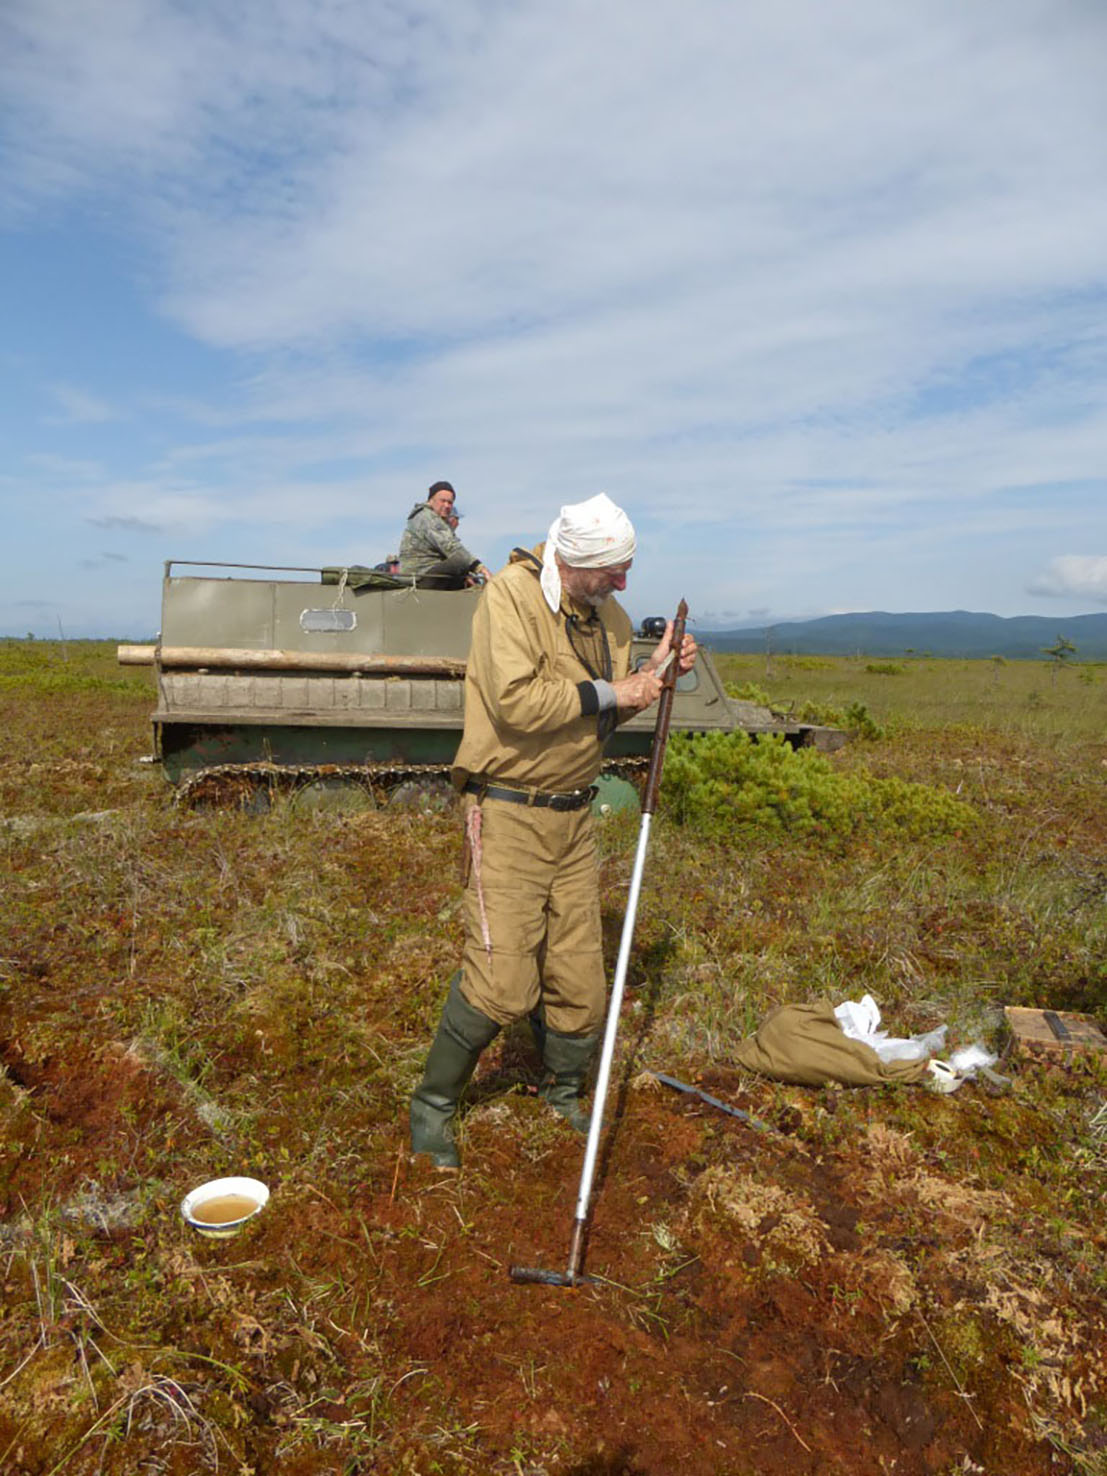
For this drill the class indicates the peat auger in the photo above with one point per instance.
(572, 1275)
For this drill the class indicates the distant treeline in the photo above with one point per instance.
(953, 633)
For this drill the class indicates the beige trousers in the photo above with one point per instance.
(541, 897)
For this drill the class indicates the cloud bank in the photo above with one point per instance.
(1082, 576)
(818, 291)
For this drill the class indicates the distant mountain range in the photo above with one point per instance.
(946, 633)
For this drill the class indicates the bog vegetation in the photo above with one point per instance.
(888, 1280)
(723, 785)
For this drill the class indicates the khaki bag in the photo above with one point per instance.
(804, 1044)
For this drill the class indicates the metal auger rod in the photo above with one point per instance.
(603, 1077)
(572, 1276)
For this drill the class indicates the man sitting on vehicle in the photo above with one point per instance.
(431, 553)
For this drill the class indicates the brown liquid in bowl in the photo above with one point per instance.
(224, 1209)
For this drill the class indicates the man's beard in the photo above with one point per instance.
(586, 597)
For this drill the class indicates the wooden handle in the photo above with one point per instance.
(664, 713)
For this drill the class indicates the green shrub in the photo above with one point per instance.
(748, 692)
(728, 784)
(856, 718)
(19, 657)
(885, 668)
(806, 663)
(57, 668)
(822, 712)
(861, 723)
(62, 682)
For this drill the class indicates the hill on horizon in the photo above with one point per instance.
(953, 633)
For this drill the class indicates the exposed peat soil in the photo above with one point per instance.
(824, 1296)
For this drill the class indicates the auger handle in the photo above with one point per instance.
(664, 713)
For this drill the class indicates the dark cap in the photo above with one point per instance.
(439, 487)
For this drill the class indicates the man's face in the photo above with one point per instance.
(592, 586)
(442, 502)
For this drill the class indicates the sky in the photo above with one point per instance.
(817, 292)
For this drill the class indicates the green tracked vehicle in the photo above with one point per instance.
(309, 681)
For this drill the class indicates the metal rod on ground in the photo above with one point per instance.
(572, 1276)
(693, 1091)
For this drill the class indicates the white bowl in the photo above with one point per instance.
(227, 1217)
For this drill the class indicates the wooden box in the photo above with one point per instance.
(1053, 1032)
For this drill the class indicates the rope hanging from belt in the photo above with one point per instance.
(474, 821)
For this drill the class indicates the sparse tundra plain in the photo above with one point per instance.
(890, 1280)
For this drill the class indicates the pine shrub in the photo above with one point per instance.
(728, 784)
(856, 718)
(749, 692)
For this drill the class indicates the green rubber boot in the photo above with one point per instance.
(463, 1033)
(567, 1059)
(537, 1022)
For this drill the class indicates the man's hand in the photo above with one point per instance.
(687, 651)
(638, 691)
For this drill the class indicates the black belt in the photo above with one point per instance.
(575, 800)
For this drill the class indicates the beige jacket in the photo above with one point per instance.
(524, 722)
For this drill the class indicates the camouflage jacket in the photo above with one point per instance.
(427, 540)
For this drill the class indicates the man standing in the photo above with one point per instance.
(548, 678)
(431, 552)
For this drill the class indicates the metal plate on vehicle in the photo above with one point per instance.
(327, 622)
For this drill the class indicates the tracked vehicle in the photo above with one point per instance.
(306, 681)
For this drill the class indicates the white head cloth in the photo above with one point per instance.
(588, 535)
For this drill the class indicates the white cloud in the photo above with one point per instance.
(1080, 575)
(333, 170)
(80, 405)
(64, 467)
(820, 286)
(729, 178)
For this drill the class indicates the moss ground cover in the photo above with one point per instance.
(891, 1281)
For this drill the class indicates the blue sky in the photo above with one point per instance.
(817, 292)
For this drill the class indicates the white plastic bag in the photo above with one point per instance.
(969, 1060)
(860, 1020)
